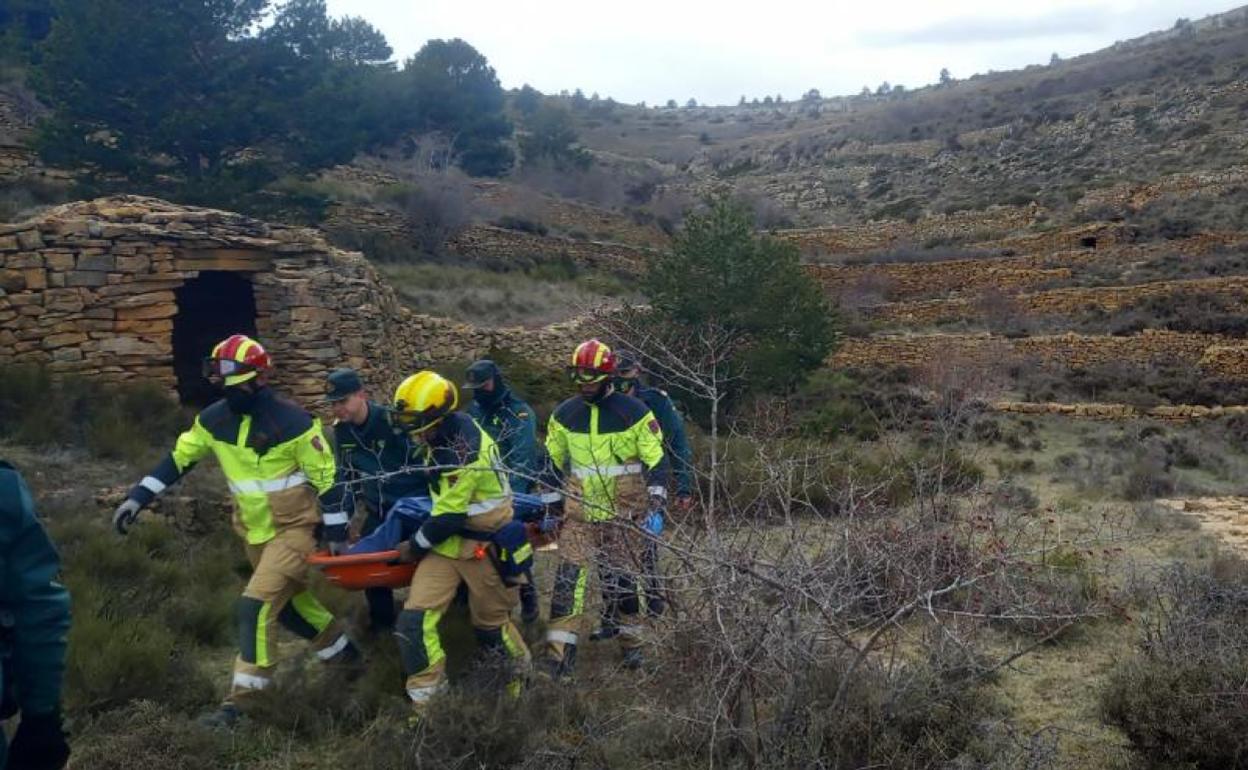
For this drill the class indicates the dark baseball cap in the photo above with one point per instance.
(480, 373)
(341, 383)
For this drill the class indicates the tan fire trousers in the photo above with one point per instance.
(277, 593)
(490, 604)
(615, 547)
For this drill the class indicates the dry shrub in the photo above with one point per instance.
(1182, 699)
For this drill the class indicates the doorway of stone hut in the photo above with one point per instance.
(211, 307)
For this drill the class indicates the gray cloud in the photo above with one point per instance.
(970, 29)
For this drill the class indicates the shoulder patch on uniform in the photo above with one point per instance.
(317, 444)
(653, 425)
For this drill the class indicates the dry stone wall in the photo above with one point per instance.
(1215, 356)
(492, 245)
(1058, 302)
(1178, 413)
(905, 281)
(495, 245)
(877, 236)
(92, 288)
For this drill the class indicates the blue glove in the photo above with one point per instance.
(654, 523)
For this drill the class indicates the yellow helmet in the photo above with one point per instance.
(422, 400)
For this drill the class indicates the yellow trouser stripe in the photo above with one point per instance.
(262, 635)
(509, 642)
(312, 611)
(433, 642)
(578, 596)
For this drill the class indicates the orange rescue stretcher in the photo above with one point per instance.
(380, 569)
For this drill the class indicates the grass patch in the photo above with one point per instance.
(537, 296)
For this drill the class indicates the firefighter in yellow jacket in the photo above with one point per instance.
(277, 464)
(608, 448)
(471, 503)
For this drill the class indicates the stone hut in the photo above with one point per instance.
(128, 287)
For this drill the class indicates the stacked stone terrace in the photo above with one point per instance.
(1030, 273)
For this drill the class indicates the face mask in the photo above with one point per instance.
(239, 400)
(626, 384)
(487, 397)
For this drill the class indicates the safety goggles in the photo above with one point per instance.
(224, 367)
(414, 422)
(585, 376)
(625, 383)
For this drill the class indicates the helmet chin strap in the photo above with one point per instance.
(604, 389)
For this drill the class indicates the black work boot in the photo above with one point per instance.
(608, 630)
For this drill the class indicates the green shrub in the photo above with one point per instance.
(521, 224)
(1181, 714)
(111, 421)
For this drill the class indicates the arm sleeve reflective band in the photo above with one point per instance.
(439, 528)
(161, 477)
(335, 519)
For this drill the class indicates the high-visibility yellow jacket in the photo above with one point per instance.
(276, 462)
(468, 484)
(596, 446)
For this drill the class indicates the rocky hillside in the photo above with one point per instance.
(1163, 104)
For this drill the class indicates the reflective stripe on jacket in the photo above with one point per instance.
(276, 462)
(467, 483)
(599, 443)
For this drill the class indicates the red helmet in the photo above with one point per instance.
(237, 359)
(592, 361)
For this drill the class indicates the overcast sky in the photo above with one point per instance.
(718, 50)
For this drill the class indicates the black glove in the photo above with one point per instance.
(39, 743)
(336, 538)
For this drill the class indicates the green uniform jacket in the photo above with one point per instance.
(513, 426)
(34, 608)
(675, 441)
(276, 461)
(371, 450)
(600, 442)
